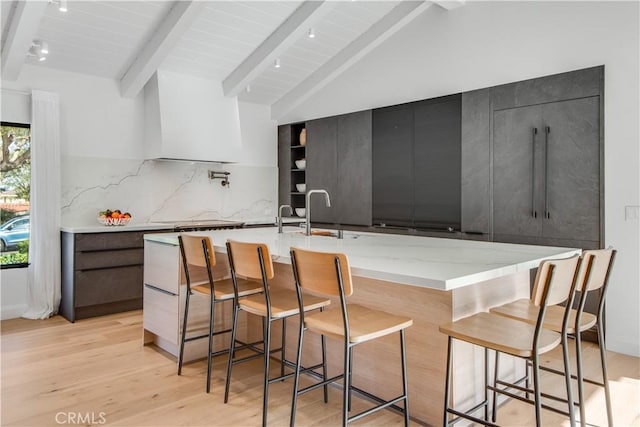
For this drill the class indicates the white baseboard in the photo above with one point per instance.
(12, 311)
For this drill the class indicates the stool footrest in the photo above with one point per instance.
(471, 411)
(320, 384)
(530, 401)
(466, 416)
(226, 331)
(377, 408)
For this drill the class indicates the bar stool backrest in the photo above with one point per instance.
(246, 259)
(557, 278)
(317, 272)
(597, 277)
(197, 254)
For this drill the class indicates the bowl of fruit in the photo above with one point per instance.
(115, 217)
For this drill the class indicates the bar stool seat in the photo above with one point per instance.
(488, 330)
(284, 303)
(224, 288)
(525, 311)
(365, 324)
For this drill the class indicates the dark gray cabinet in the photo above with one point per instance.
(546, 183)
(322, 146)
(417, 164)
(284, 165)
(339, 161)
(476, 164)
(437, 163)
(101, 273)
(354, 190)
(393, 166)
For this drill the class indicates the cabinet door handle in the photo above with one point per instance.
(547, 214)
(534, 132)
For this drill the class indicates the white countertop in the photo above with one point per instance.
(99, 228)
(420, 261)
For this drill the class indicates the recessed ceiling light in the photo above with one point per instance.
(311, 34)
(277, 63)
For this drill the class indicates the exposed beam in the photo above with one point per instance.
(393, 21)
(305, 16)
(178, 20)
(23, 28)
(449, 4)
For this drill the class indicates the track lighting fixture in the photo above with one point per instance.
(277, 63)
(311, 34)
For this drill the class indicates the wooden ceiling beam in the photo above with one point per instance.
(168, 33)
(283, 37)
(380, 31)
(23, 28)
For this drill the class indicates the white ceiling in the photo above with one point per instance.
(234, 42)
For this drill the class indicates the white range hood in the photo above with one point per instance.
(189, 118)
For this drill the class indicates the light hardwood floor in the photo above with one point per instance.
(97, 371)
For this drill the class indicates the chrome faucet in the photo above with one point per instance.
(308, 206)
(280, 216)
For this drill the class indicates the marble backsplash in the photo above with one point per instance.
(160, 190)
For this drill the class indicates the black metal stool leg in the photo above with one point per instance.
(536, 387)
(211, 322)
(350, 375)
(447, 388)
(267, 347)
(296, 377)
(347, 383)
(323, 343)
(581, 401)
(283, 346)
(232, 350)
(567, 379)
(486, 384)
(494, 408)
(605, 376)
(184, 334)
(405, 385)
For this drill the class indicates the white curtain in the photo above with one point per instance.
(44, 246)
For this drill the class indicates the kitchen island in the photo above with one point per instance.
(431, 280)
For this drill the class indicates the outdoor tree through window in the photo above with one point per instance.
(15, 189)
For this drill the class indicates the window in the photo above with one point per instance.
(15, 189)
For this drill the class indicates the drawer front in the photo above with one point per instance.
(107, 285)
(102, 259)
(160, 314)
(105, 241)
(162, 266)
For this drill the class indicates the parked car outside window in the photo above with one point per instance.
(14, 231)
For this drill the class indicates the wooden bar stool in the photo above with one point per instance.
(329, 274)
(594, 275)
(555, 283)
(198, 260)
(253, 261)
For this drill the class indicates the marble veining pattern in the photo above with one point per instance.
(153, 190)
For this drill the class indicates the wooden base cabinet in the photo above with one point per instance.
(101, 273)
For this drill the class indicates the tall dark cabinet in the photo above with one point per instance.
(339, 161)
(417, 164)
(546, 162)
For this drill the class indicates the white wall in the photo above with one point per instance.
(483, 44)
(103, 163)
